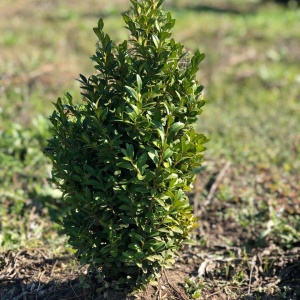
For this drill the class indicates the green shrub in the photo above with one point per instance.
(125, 156)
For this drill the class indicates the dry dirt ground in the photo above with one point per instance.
(230, 261)
(225, 273)
(29, 274)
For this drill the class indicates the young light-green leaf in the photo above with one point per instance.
(139, 82)
(132, 92)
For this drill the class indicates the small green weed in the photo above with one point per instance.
(23, 187)
(194, 286)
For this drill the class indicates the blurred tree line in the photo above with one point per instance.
(284, 2)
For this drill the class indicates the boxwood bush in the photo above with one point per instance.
(124, 157)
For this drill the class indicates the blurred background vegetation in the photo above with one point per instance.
(251, 76)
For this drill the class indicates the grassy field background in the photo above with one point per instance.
(250, 183)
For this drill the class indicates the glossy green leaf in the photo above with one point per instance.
(167, 154)
(175, 128)
(132, 92)
(141, 161)
(154, 156)
(125, 165)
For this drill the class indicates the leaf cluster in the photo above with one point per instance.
(124, 157)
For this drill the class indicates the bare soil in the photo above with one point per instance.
(230, 261)
(30, 274)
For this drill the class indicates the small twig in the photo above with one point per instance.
(217, 182)
(23, 290)
(180, 295)
(53, 268)
(196, 196)
(215, 293)
(253, 261)
(11, 292)
(20, 296)
(4, 279)
(74, 291)
(38, 288)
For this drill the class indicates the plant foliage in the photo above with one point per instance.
(123, 158)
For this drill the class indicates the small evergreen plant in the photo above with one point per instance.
(124, 157)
